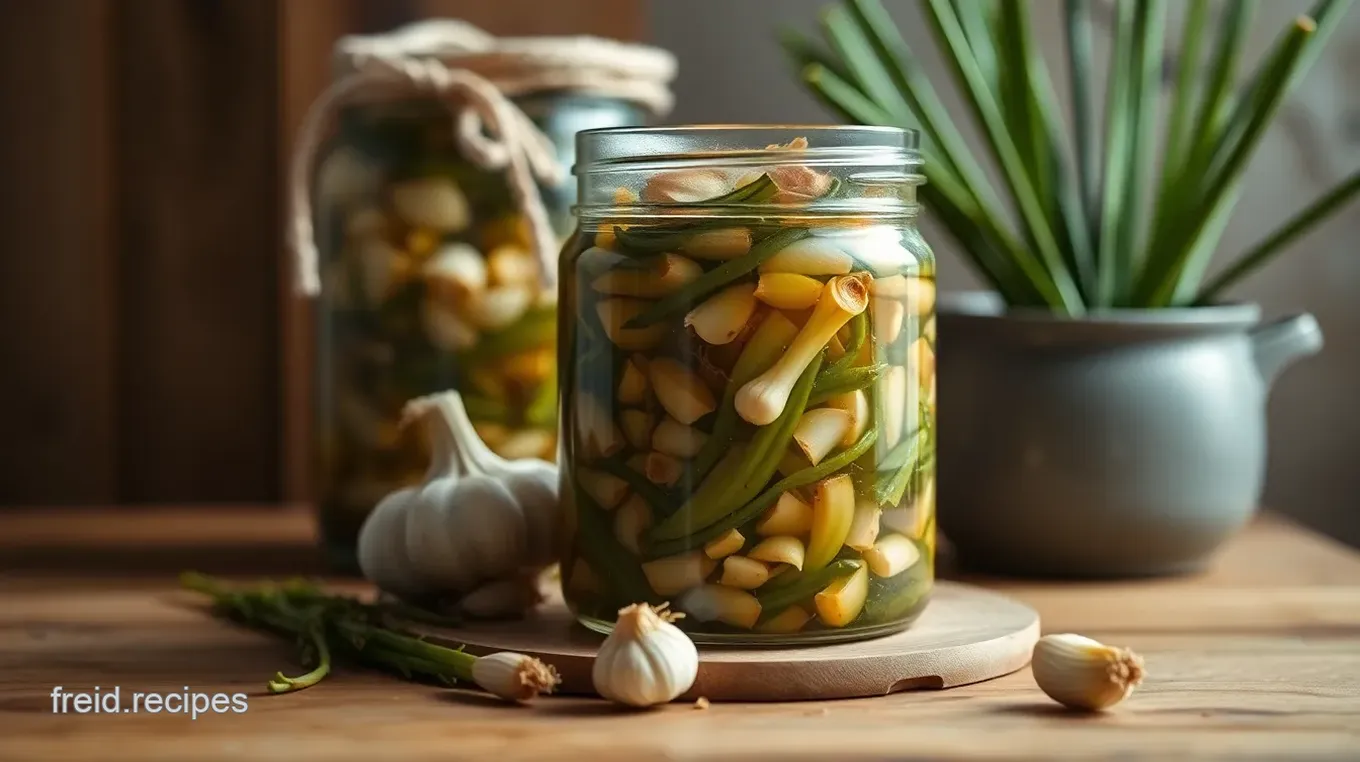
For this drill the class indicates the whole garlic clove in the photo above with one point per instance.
(646, 660)
(1082, 673)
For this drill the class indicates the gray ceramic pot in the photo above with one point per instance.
(1128, 444)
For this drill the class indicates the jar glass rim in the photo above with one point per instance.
(613, 149)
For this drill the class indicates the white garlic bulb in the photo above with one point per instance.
(1082, 673)
(476, 518)
(646, 660)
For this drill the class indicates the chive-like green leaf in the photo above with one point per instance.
(1267, 91)
(1180, 121)
(984, 107)
(865, 68)
(1296, 226)
(1144, 95)
(1077, 24)
(1118, 153)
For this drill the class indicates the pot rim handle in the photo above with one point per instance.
(1277, 344)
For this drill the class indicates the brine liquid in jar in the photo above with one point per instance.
(747, 354)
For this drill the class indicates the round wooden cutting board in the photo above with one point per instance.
(966, 635)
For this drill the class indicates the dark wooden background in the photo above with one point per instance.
(150, 348)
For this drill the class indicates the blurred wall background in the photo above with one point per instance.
(732, 70)
(151, 350)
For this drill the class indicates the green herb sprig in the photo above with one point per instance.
(327, 625)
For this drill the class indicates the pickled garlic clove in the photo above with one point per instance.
(791, 515)
(819, 431)
(658, 276)
(719, 244)
(719, 603)
(498, 307)
(788, 291)
(431, 202)
(675, 438)
(864, 526)
(810, 256)
(743, 573)
(891, 555)
(781, 549)
(455, 271)
(842, 600)
(723, 316)
(855, 403)
(725, 544)
(676, 574)
(615, 313)
(631, 521)
(680, 390)
(684, 186)
(637, 427)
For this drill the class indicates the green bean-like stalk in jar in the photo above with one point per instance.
(750, 392)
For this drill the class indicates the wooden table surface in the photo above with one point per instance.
(1258, 658)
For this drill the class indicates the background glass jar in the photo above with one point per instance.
(429, 283)
(747, 341)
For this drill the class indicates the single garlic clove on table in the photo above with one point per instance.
(1082, 673)
(646, 660)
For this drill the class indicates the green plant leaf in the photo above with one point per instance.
(1243, 129)
(1184, 182)
(1065, 208)
(1013, 94)
(1274, 243)
(1180, 121)
(866, 69)
(1084, 238)
(1180, 124)
(1266, 92)
(882, 34)
(802, 51)
(843, 96)
(1144, 95)
(957, 211)
(950, 34)
(1077, 24)
(954, 157)
(976, 17)
(1217, 99)
(1118, 154)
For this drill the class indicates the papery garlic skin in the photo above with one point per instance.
(1082, 673)
(646, 660)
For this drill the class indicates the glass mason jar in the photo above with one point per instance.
(428, 284)
(747, 345)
